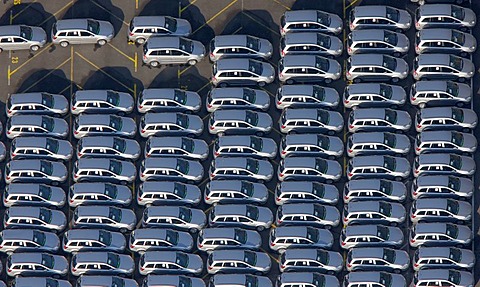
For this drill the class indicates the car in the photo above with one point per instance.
(439, 234)
(36, 125)
(310, 214)
(440, 209)
(167, 193)
(40, 147)
(3, 150)
(442, 67)
(225, 280)
(210, 239)
(170, 262)
(374, 189)
(443, 163)
(377, 143)
(141, 28)
(373, 235)
(308, 69)
(377, 258)
(305, 191)
(34, 217)
(239, 46)
(108, 280)
(300, 43)
(260, 170)
(445, 142)
(108, 147)
(101, 263)
(376, 67)
(238, 261)
(377, 41)
(310, 120)
(310, 21)
(241, 72)
(99, 193)
(315, 260)
(370, 212)
(444, 16)
(309, 168)
(289, 279)
(450, 277)
(33, 194)
(172, 280)
(104, 169)
(40, 282)
(167, 146)
(235, 191)
(311, 145)
(378, 166)
(103, 125)
(442, 186)
(170, 124)
(101, 101)
(148, 239)
(244, 215)
(379, 17)
(157, 168)
(371, 95)
(441, 40)
(168, 100)
(35, 171)
(252, 146)
(437, 93)
(24, 240)
(178, 217)
(77, 240)
(445, 118)
(82, 31)
(36, 264)
(379, 119)
(237, 98)
(377, 278)
(306, 96)
(105, 217)
(172, 50)
(39, 103)
(22, 37)
(443, 257)
(283, 237)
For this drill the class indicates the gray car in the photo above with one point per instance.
(244, 215)
(168, 100)
(22, 240)
(442, 40)
(170, 123)
(40, 103)
(101, 101)
(370, 95)
(444, 16)
(375, 278)
(239, 122)
(36, 125)
(148, 239)
(103, 125)
(239, 46)
(99, 193)
(440, 209)
(224, 280)
(237, 98)
(235, 191)
(241, 168)
(309, 214)
(310, 43)
(370, 212)
(238, 261)
(141, 28)
(210, 239)
(374, 189)
(443, 163)
(170, 262)
(242, 71)
(111, 147)
(374, 235)
(41, 147)
(176, 147)
(104, 169)
(376, 67)
(157, 168)
(101, 263)
(40, 282)
(305, 191)
(442, 67)
(311, 145)
(105, 217)
(172, 280)
(306, 96)
(22, 37)
(284, 237)
(445, 142)
(379, 17)
(438, 93)
(82, 31)
(379, 119)
(439, 234)
(445, 118)
(172, 50)
(446, 186)
(179, 217)
(75, 240)
(443, 257)
(310, 21)
(35, 171)
(377, 41)
(309, 120)
(106, 280)
(446, 277)
(306, 279)
(26, 217)
(377, 258)
(308, 68)
(315, 260)
(253, 146)
(37, 194)
(36, 264)
(168, 193)
(377, 143)
(309, 168)
(378, 166)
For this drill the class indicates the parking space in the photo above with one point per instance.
(119, 66)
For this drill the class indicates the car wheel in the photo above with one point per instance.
(395, 80)
(154, 64)
(331, 157)
(123, 230)
(121, 275)
(459, 2)
(394, 224)
(34, 48)
(328, 227)
(460, 222)
(397, 271)
(259, 134)
(289, 81)
(460, 104)
(461, 80)
(56, 276)
(123, 182)
(261, 84)
(140, 41)
(329, 181)
(463, 54)
(330, 133)
(460, 246)
(193, 230)
(398, 178)
(396, 54)
(330, 272)
(64, 44)
(466, 130)
(260, 228)
(281, 250)
(192, 62)
(328, 81)
(1, 50)
(357, 80)
(55, 183)
(223, 85)
(421, 105)
(394, 107)
(258, 273)
(102, 42)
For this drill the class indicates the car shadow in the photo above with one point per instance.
(113, 78)
(51, 81)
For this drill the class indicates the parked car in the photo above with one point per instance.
(141, 28)
(239, 46)
(310, 21)
(101, 101)
(40, 103)
(82, 31)
(172, 50)
(22, 37)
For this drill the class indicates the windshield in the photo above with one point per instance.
(251, 281)
(246, 188)
(389, 255)
(188, 144)
(318, 189)
(117, 282)
(44, 191)
(323, 18)
(47, 100)
(249, 95)
(383, 232)
(180, 190)
(457, 114)
(171, 236)
(319, 211)
(455, 254)
(321, 165)
(251, 118)
(323, 256)
(255, 67)
(110, 190)
(105, 237)
(115, 214)
(113, 259)
(323, 116)
(180, 96)
(322, 64)
(452, 206)
(457, 12)
(252, 212)
(50, 282)
(455, 161)
(390, 37)
(115, 167)
(39, 237)
(51, 145)
(185, 214)
(323, 142)
(185, 45)
(26, 32)
(452, 230)
(250, 257)
(48, 123)
(312, 234)
(240, 235)
(48, 260)
(119, 144)
(458, 37)
(46, 167)
(389, 139)
(454, 183)
(93, 26)
(113, 98)
(385, 279)
(452, 88)
(318, 280)
(182, 166)
(386, 91)
(170, 24)
(454, 276)
(389, 63)
(323, 40)
(256, 143)
(386, 187)
(115, 122)
(182, 120)
(455, 62)
(318, 93)
(385, 208)
(253, 43)
(390, 116)
(392, 14)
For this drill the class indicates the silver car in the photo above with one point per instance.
(178, 217)
(443, 163)
(172, 50)
(111, 147)
(377, 41)
(446, 277)
(103, 169)
(378, 166)
(104, 217)
(40, 147)
(284, 237)
(242, 72)
(157, 168)
(373, 235)
(308, 68)
(310, 43)
(306, 96)
(445, 118)
(443, 67)
(36, 103)
(442, 186)
(309, 168)
(309, 214)
(289, 279)
(305, 191)
(168, 192)
(22, 37)
(373, 212)
(103, 125)
(82, 31)
(311, 145)
(238, 261)
(440, 234)
(148, 239)
(170, 262)
(374, 278)
(237, 98)
(377, 258)
(101, 263)
(445, 142)
(370, 95)
(210, 239)
(310, 21)
(253, 146)
(176, 147)
(36, 264)
(175, 124)
(21, 240)
(235, 191)
(443, 257)
(374, 189)
(435, 93)
(376, 67)
(379, 119)
(330, 262)
(35, 171)
(444, 16)
(40, 282)
(101, 101)
(224, 280)
(36, 125)
(75, 240)
(310, 121)
(141, 28)
(29, 194)
(239, 46)
(107, 280)
(379, 17)
(166, 100)
(244, 215)
(240, 121)
(30, 217)
(440, 209)
(377, 143)
(442, 40)
(99, 193)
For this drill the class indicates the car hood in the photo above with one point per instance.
(118, 240)
(266, 282)
(60, 103)
(195, 262)
(128, 217)
(398, 211)
(268, 70)
(398, 94)
(65, 147)
(59, 170)
(470, 17)
(254, 239)
(470, 116)
(185, 240)
(403, 142)
(128, 169)
(58, 219)
(126, 263)
(193, 193)
(464, 232)
(335, 68)
(466, 279)
(396, 235)
(262, 99)
(195, 124)
(335, 44)
(264, 120)
(399, 189)
(198, 48)
(466, 185)
(106, 29)
(133, 147)
(325, 237)
(470, 41)
(334, 169)
(198, 217)
(60, 127)
(335, 260)
(61, 264)
(405, 18)
(403, 42)
(331, 96)
(402, 258)
(58, 195)
(263, 261)
(51, 240)
(468, 164)
(336, 21)
(38, 34)
(124, 193)
(403, 165)
(265, 168)
(183, 27)
(468, 67)
(269, 146)
(398, 280)
(402, 67)
(464, 208)
(125, 100)
(265, 215)
(403, 119)
(129, 126)
(265, 47)
(201, 147)
(196, 169)
(193, 99)
(468, 257)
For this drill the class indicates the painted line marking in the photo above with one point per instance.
(281, 4)
(123, 54)
(268, 92)
(254, 20)
(110, 12)
(48, 74)
(185, 8)
(271, 256)
(27, 61)
(55, 14)
(204, 86)
(71, 70)
(350, 5)
(215, 16)
(8, 75)
(21, 11)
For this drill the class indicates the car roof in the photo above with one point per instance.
(230, 209)
(94, 119)
(149, 21)
(92, 95)
(435, 227)
(360, 206)
(68, 24)
(298, 186)
(368, 160)
(161, 117)
(370, 11)
(161, 256)
(431, 203)
(302, 113)
(24, 211)
(367, 59)
(237, 255)
(431, 85)
(367, 252)
(23, 188)
(301, 15)
(92, 163)
(372, 113)
(163, 210)
(297, 253)
(227, 93)
(98, 141)
(230, 162)
(26, 98)
(151, 233)
(231, 40)
(434, 252)
(17, 234)
(233, 115)
(291, 231)
(230, 279)
(162, 93)
(234, 140)
(369, 35)
(300, 208)
(434, 59)
(441, 158)
(154, 162)
(91, 257)
(302, 38)
(32, 141)
(164, 42)
(363, 88)
(27, 257)
(302, 162)
(30, 120)
(435, 9)
(299, 89)
(10, 30)
(436, 34)
(83, 234)
(300, 60)
(27, 164)
(217, 233)
(304, 139)
(166, 142)
(233, 64)
(373, 137)
(367, 230)
(93, 210)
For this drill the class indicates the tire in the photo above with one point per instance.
(34, 48)
(330, 272)
(102, 42)
(289, 82)
(395, 80)
(140, 41)
(260, 228)
(398, 178)
(193, 230)
(397, 271)
(357, 80)
(123, 230)
(331, 133)
(396, 54)
(121, 114)
(64, 44)
(192, 62)
(328, 81)
(329, 181)
(460, 104)
(331, 157)
(461, 80)
(56, 276)
(394, 107)
(55, 183)
(422, 105)
(259, 134)
(463, 54)
(281, 250)
(328, 227)
(394, 224)
(261, 84)
(154, 64)
(223, 85)
(123, 182)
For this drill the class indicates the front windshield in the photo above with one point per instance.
(323, 18)
(389, 139)
(182, 120)
(319, 211)
(39, 237)
(46, 167)
(312, 234)
(385, 279)
(47, 100)
(251, 118)
(452, 88)
(318, 280)
(49, 282)
(170, 24)
(185, 214)
(323, 40)
(255, 67)
(184, 281)
(252, 165)
(452, 230)
(383, 232)
(321, 165)
(44, 191)
(51, 145)
(323, 256)
(48, 123)
(392, 14)
(323, 116)
(113, 98)
(386, 91)
(26, 32)
(318, 93)
(250, 257)
(453, 183)
(252, 212)
(93, 26)
(386, 187)
(390, 37)
(390, 116)
(455, 161)
(454, 276)
(185, 45)
(253, 43)
(115, 214)
(256, 143)
(105, 237)
(113, 259)
(117, 282)
(45, 215)
(181, 259)
(48, 260)
(385, 208)
(251, 281)
(180, 190)
(322, 64)
(457, 114)
(458, 37)
(389, 63)
(323, 142)
(455, 62)
(182, 166)
(180, 96)
(119, 144)
(110, 190)
(389, 255)
(455, 254)
(389, 163)
(318, 189)
(115, 123)
(115, 167)
(452, 206)
(171, 236)
(249, 95)
(457, 12)
(246, 188)
(240, 235)
(188, 144)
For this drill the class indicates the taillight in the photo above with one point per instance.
(283, 53)
(412, 240)
(346, 197)
(71, 200)
(76, 132)
(350, 150)
(143, 131)
(211, 55)
(351, 126)
(345, 219)
(413, 99)
(210, 267)
(217, 153)
(282, 174)
(284, 126)
(284, 152)
(74, 108)
(413, 216)
(140, 106)
(272, 244)
(282, 266)
(130, 34)
(279, 103)
(346, 101)
(417, 171)
(344, 243)
(416, 265)
(212, 127)
(419, 126)
(349, 49)
(209, 105)
(54, 37)
(132, 246)
(418, 149)
(350, 174)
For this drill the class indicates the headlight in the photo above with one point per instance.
(337, 74)
(202, 55)
(404, 72)
(472, 22)
(468, 99)
(470, 73)
(110, 36)
(269, 53)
